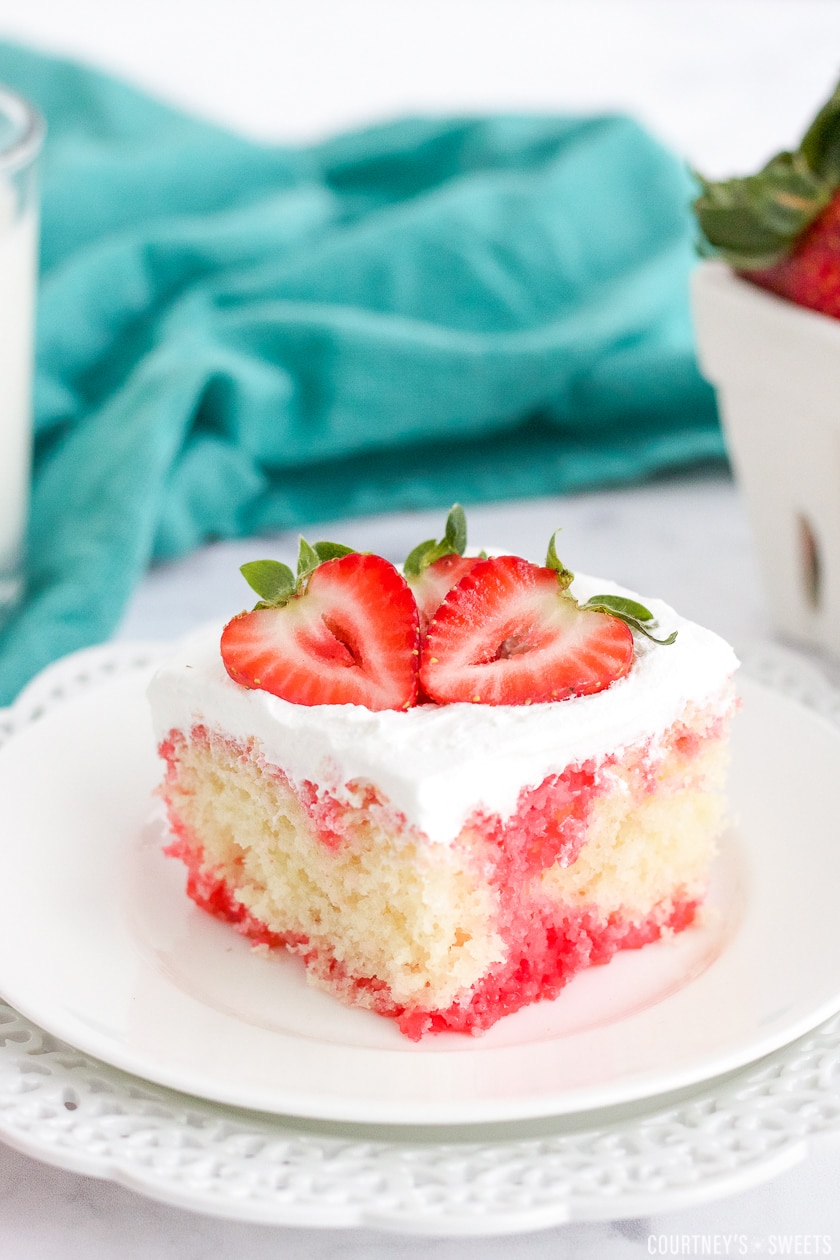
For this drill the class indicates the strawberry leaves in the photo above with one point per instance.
(274, 581)
(821, 143)
(565, 577)
(752, 222)
(630, 611)
(755, 221)
(311, 555)
(433, 567)
(453, 543)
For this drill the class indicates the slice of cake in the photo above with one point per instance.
(446, 825)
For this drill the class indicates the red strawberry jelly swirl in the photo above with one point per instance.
(547, 944)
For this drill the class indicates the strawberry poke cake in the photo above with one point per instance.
(450, 788)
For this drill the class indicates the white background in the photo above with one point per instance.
(725, 82)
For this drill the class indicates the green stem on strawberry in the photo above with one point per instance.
(433, 567)
(565, 577)
(275, 582)
(453, 543)
(755, 221)
(311, 555)
(633, 614)
(630, 611)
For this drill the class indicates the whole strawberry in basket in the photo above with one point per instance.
(780, 228)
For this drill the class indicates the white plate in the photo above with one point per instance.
(662, 1155)
(99, 945)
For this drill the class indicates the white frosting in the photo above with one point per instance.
(437, 764)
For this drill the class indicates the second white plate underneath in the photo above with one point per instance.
(100, 946)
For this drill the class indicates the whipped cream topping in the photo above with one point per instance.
(439, 763)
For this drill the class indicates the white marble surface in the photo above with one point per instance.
(724, 81)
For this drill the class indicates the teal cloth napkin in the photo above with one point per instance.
(236, 338)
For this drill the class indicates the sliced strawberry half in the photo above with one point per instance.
(350, 635)
(432, 584)
(508, 633)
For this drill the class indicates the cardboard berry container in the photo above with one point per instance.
(776, 369)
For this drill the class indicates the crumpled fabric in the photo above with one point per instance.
(235, 338)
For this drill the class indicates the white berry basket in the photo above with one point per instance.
(776, 369)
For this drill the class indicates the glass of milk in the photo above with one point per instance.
(21, 133)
